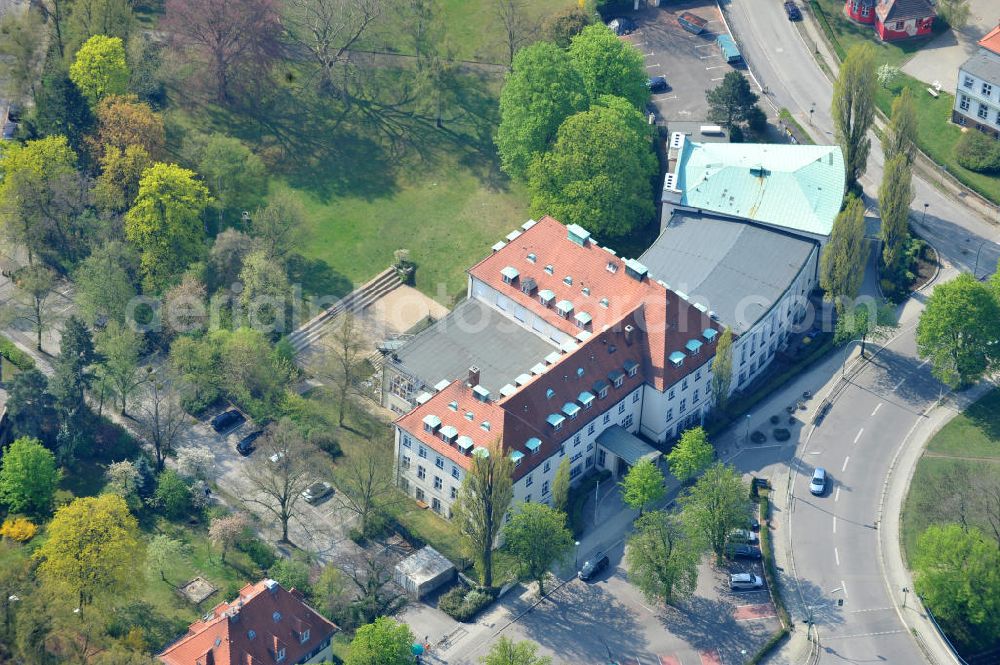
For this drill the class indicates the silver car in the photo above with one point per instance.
(745, 582)
(818, 484)
(315, 492)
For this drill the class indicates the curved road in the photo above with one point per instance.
(834, 537)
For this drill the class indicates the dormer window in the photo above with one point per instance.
(612, 267)
(532, 258)
(549, 269)
(485, 425)
(564, 307)
(604, 303)
(579, 372)
(509, 275)
(585, 290)
(304, 637)
(617, 377)
(549, 393)
(276, 616)
(453, 406)
(528, 285)
(546, 297)
(631, 367)
(568, 280)
(280, 654)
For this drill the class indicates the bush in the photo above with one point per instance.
(173, 495)
(781, 434)
(758, 437)
(775, 419)
(259, 552)
(18, 528)
(977, 152)
(325, 441)
(291, 573)
(16, 356)
(462, 603)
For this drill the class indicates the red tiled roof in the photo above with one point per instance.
(274, 616)
(901, 10)
(991, 42)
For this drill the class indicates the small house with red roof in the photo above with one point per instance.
(893, 19)
(265, 625)
(977, 97)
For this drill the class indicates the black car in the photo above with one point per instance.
(245, 446)
(227, 421)
(592, 567)
(793, 12)
(744, 552)
(622, 26)
(658, 84)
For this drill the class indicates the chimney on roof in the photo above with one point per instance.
(473, 376)
(629, 331)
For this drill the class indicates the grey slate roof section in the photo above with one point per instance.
(736, 269)
(473, 334)
(984, 66)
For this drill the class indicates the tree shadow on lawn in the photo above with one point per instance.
(318, 278)
(985, 414)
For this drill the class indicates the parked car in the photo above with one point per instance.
(622, 26)
(593, 566)
(317, 491)
(246, 444)
(745, 582)
(743, 536)
(818, 484)
(793, 11)
(658, 84)
(743, 552)
(227, 420)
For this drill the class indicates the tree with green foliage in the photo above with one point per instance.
(894, 197)
(112, 18)
(842, 262)
(957, 573)
(691, 455)
(291, 574)
(506, 651)
(275, 228)
(537, 536)
(854, 108)
(722, 368)
(886, 74)
(900, 135)
(124, 121)
(958, 329)
(33, 286)
(93, 550)
(106, 282)
(20, 45)
(28, 477)
(383, 642)
(731, 103)
(30, 409)
(560, 486)
(542, 89)
(60, 107)
(661, 558)
(165, 223)
(163, 551)
(172, 496)
(609, 65)
(954, 12)
(642, 485)
(120, 348)
(483, 499)
(716, 505)
(561, 27)
(73, 368)
(99, 68)
(266, 291)
(867, 322)
(977, 152)
(599, 172)
(233, 173)
(117, 186)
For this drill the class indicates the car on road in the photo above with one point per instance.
(743, 536)
(743, 552)
(818, 484)
(593, 566)
(622, 26)
(745, 582)
(792, 11)
(227, 420)
(316, 492)
(246, 444)
(658, 84)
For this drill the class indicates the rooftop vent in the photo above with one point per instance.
(482, 394)
(473, 376)
(497, 247)
(759, 172)
(635, 270)
(577, 234)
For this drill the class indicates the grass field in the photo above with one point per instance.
(964, 453)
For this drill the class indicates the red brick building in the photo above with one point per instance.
(893, 19)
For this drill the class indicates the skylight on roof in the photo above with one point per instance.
(549, 393)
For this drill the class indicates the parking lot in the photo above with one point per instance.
(691, 63)
(608, 619)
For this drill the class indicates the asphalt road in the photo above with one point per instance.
(833, 538)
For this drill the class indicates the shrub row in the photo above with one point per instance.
(16, 356)
(462, 603)
(767, 550)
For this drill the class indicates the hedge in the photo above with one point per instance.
(462, 603)
(16, 356)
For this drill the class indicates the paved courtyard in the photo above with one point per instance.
(940, 59)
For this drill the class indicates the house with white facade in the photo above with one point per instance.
(977, 98)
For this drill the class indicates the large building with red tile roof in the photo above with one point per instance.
(620, 355)
(977, 98)
(265, 625)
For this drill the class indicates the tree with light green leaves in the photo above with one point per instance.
(537, 536)
(959, 330)
(483, 499)
(661, 558)
(233, 173)
(560, 486)
(165, 223)
(900, 134)
(954, 12)
(599, 172)
(691, 455)
(106, 282)
(867, 322)
(609, 65)
(716, 505)
(854, 108)
(112, 18)
(120, 349)
(722, 368)
(542, 89)
(28, 477)
(842, 262)
(162, 551)
(642, 485)
(506, 651)
(99, 69)
(383, 642)
(894, 197)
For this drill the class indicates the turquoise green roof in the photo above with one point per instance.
(798, 187)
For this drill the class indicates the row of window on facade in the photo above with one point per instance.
(985, 89)
(983, 111)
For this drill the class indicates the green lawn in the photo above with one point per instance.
(965, 452)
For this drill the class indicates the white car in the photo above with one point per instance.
(745, 582)
(818, 484)
(316, 491)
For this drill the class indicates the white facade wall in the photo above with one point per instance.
(687, 401)
(977, 99)
(521, 315)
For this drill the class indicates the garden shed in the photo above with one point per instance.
(424, 571)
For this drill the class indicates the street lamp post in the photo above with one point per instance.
(746, 435)
(812, 109)
(847, 352)
(923, 218)
(975, 271)
(906, 590)
(576, 556)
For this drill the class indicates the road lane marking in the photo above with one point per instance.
(901, 382)
(836, 554)
(651, 66)
(835, 524)
(705, 46)
(923, 363)
(706, 57)
(843, 587)
(649, 54)
(828, 636)
(877, 407)
(836, 495)
(858, 435)
(846, 460)
(872, 609)
(716, 67)
(719, 78)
